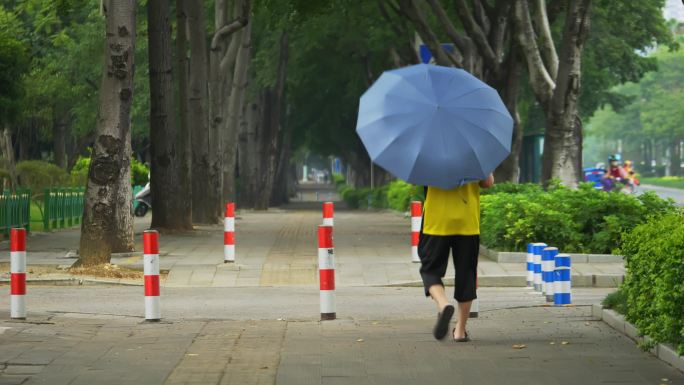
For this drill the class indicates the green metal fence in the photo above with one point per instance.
(15, 210)
(62, 207)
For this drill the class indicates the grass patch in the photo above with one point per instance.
(36, 216)
(666, 181)
(617, 301)
(107, 270)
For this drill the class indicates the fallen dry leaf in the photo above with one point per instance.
(565, 343)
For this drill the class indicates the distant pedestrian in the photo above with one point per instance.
(451, 222)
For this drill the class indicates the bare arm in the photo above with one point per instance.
(487, 183)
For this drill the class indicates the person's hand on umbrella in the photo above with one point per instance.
(487, 183)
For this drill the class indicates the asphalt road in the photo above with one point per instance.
(665, 192)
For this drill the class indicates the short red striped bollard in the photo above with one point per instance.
(326, 272)
(151, 262)
(18, 273)
(416, 221)
(229, 234)
(328, 213)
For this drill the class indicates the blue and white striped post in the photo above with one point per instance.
(548, 268)
(530, 264)
(537, 251)
(563, 281)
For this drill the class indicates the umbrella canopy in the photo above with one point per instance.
(434, 126)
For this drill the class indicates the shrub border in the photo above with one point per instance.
(518, 257)
(617, 321)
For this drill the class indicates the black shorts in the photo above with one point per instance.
(433, 251)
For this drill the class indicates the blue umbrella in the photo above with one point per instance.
(434, 126)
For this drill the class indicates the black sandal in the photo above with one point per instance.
(443, 319)
(464, 339)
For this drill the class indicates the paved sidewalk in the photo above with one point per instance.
(278, 247)
(562, 346)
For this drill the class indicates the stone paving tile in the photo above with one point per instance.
(88, 349)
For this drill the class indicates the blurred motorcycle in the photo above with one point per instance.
(144, 199)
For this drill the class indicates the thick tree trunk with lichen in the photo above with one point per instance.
(172, 209)
(107, 219)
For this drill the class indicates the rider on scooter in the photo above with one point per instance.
(615, 173)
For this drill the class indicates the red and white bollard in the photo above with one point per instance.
(151, 265)
(416, 221)
(229, 234)
(326, 272)
(18, 273)
(328, 213)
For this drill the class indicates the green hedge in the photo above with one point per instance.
(38, 175)
(397, 195)
(580, 220)
(654, 285)
(139, 172)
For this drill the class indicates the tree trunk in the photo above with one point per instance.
(248, 156)
(281, 191)
(107, 219)
(562, 157)
(168, 192)
(59, 135)
(509, 170)
(8, 154)
(204, 197)
(223, 52)
(675, 157)
(271, 128)
(235, 102)
(184, 133)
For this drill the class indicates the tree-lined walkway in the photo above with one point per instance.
(279, 248)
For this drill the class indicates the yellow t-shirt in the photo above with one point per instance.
(452, 212)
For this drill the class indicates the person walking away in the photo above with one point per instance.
(451, 222)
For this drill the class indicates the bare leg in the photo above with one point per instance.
(463, 314)
(439, 296)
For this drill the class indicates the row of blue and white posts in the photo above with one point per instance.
(549, 273)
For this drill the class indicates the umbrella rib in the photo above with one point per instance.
(384, 117)
(401, 135)
(484, 129)
(415, 160)
(462, 95)
(428, 101)
(472, 149)
(506, 114)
